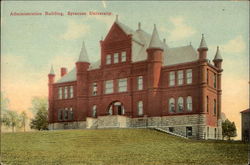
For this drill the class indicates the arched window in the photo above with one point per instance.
(94, 111)
(171, 105)
(189, 103)
(110, 111)
(180, 104)
(66, 116)
(140, 108)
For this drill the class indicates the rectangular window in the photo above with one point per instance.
(71, 115)
(71, 92)
(140, 108)
(65, 92)
(189, 131)
(140, 83)
(60, 93)
(60, 115)
(94, 91)
(171, 78)
(109, 87)
(116, 58)
(122, 85)
(124, 56)
(189, 76)
(108, 59)
(180, 77)
(215, 81)
(215, 107)
(65, 115)
(171, 129)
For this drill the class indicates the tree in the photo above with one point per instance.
(23, 119)
(11, 119)
(39, 107)
(228, 129)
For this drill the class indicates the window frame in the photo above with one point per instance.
(122, 87)
(189, 104)
(180, 103)
(108, 59)
(180, 77)
(189, 76)
(140, 108)
(123, 54)
(171, 104)
(140, 83)
(172, 78)
(94, 89)
(116, 58)
(111, 87)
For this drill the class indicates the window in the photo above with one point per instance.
(71, 92)
(65, 92)
(94, 89)
(140, 108)
(171, 105)
(171, 129)
(171, 78)
(189, 76)
(108, 59)
(109, 86)
(215, 133)
(116, 58)
(94, 111)
(124, 56)
(189, 131)
(214, 107)
(110, 111)
(60, 93)
(180, 104)
(122, 85)
(60, 115)
(207, 104)
(189, 103)
(207, 131)
(140, 83)
(65, 114)
(71, 115)
(180, 77)
(215, 82)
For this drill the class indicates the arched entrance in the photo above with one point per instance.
(116, 108)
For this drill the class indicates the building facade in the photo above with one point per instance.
(140, 82)
(245, 124)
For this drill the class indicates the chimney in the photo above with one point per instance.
(63, 71)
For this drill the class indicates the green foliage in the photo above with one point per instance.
(40, 122)
(116, 146)
(11, 119)
(228, 129)
(23, 120)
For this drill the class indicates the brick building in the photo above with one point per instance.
(140, 82)
(245, 125)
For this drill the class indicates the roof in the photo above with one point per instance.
(217, 54)
(203, 43)
(140, 43)
(83, 57)
(52, 70)
(245, 111)
(155, 41)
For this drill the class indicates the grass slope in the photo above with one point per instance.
(116, 146)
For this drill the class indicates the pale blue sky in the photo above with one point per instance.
(30, 44)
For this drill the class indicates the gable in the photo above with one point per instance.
(115, 34)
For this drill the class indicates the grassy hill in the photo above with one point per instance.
(116, 146)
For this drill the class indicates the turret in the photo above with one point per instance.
(217, 58)
(51, 80)
(155, 52)
(203, 49)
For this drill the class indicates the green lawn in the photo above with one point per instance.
(116, 146)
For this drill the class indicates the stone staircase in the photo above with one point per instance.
(171, 133)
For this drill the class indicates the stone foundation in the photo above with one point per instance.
(192, 126)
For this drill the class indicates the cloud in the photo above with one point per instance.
(180, 31)
(75, 30)
(236, 45)
(104, 4)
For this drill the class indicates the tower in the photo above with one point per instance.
(51, 80)
(217, 58)
(203, 49)
(82, 66)
(154, 64)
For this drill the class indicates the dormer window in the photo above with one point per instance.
(124, 56)
(116, 58)
(108, 59)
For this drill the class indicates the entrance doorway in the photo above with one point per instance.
(116, 108)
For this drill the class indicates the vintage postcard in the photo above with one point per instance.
(124, 82)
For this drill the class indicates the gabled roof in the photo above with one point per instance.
(203, 44)
(245, 111)
(217, 54)
(140, 43)
(155, 41)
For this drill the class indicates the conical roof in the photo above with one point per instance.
(83, 54)
(52, 70)
(203, 44)
(217, 54)
(155, 41)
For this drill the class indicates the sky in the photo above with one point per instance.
(31, 44)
